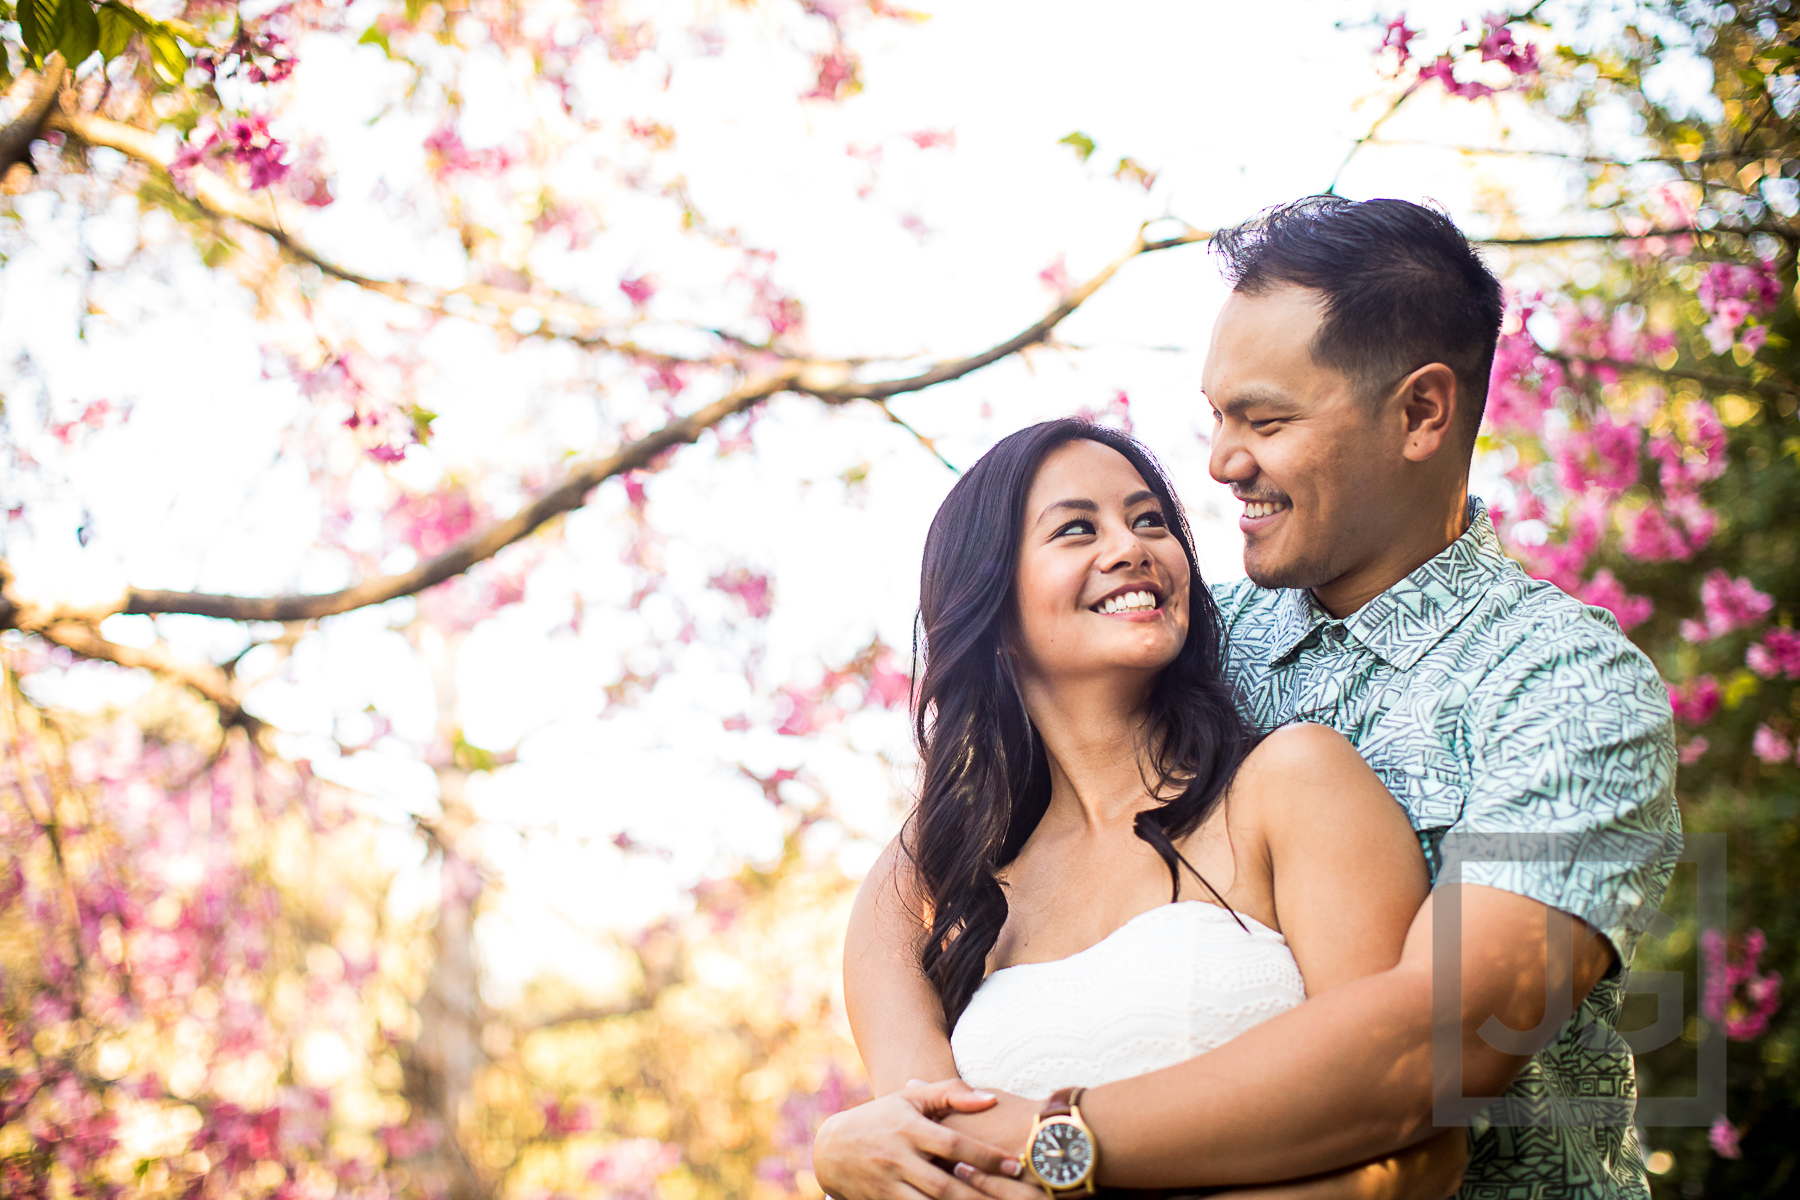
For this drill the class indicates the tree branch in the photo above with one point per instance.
(220, 199)
(1600, 160)
(827, 380)
(21, 131)
(1726, 383)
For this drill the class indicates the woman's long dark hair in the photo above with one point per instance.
(986, 777)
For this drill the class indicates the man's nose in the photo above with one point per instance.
(1230, 460)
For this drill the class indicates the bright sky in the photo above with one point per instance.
(1235, 107)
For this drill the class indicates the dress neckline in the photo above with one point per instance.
(1173, 904)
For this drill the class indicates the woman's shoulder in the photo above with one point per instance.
(1299, 768)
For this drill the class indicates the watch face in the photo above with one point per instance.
(1061, 1153)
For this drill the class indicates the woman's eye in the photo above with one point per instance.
(1077, 528)
(1149, 520)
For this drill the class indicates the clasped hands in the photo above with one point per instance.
(899, 1147)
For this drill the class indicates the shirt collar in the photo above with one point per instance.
(1408, 619)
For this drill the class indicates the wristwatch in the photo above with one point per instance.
(1062, 1156)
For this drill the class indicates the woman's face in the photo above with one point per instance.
(1102, 583)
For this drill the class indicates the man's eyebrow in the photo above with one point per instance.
(1249, 396)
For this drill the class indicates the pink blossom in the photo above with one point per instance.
(1736, 994)
(1524, 382)
(405, 1141)
(1498, 45)
(1397, 37)
(1778, 654)
(1692, 750)
(934, 139)
(1056, 277)
(1757, 288)
(1604, 591)
(838, 75)
(1441, 70)
(1649, 537)
(751, 588)
(1695, 702)
(1603, 454)
(628, 1169)
(1754, 337)
(1729, 604)
(1769, 746)
(638, 289)
(1723, 1138)
(561, 1119)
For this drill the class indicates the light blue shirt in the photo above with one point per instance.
(1491, 703)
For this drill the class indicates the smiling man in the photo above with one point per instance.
(1529, 743)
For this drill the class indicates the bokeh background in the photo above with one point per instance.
(464, 467)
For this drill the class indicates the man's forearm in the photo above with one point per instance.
(1343, 1078)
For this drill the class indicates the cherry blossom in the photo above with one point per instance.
(1777, 655)
(1695, 701)
(1723, 1138)
(1769, 746)
(1729, 605)
(1737, 995)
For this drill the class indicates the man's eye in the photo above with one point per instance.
(1265, 424)
(1149, 520)
(1217, 416)
(1082, 528)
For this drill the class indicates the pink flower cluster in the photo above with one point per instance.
(751, 588)
(1525, 380)
(1695, 701)
(629, 1169)
(450, 157)
(1733, 293)
(1605, 591)
(258, 53)
(1727, 605)
(1723, 1138)
(1771, 747)
(243, 140)
(801, 1115)
(1777, 656)
(1496, 42)
(837, 75)
(872, 679)
(1737, 995)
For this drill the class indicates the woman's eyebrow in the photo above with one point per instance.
(1086, 506)
(1140, 497)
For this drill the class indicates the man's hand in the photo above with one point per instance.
(883, 1150)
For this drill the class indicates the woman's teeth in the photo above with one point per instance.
(1127, 602)
(1257, 508)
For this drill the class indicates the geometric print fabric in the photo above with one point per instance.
(1496, 706)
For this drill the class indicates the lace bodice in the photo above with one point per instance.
(1169, 984)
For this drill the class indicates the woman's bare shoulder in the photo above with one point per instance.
(1300, 769)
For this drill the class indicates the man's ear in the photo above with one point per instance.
(1428, 398)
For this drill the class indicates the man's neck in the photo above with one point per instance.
(1350, 591)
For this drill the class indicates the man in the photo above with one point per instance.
(1529, 742)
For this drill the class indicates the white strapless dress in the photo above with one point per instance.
(1169, 984)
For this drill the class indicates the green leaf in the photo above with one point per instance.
(165, 53)
(374, 36)
(116, 28)
(422, 419)
(81, 35)
(1082, 144)
(41, 25)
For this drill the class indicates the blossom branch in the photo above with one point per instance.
(220, 199)
(827, 380)
(1711, 379)
(21, 131)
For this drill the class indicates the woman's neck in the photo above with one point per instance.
(1093, 736)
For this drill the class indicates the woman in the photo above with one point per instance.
(1107, 871)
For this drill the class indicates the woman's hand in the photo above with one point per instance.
(883, 1150)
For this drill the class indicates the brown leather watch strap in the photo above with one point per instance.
(1061, 1102)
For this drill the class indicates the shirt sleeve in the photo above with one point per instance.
(1572, 795)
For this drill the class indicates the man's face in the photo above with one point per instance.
(1315, 462)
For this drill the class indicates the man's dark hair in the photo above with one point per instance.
(1402, 288)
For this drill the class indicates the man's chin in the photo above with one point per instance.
(1265, 573)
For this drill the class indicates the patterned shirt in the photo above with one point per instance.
(1491, 703)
